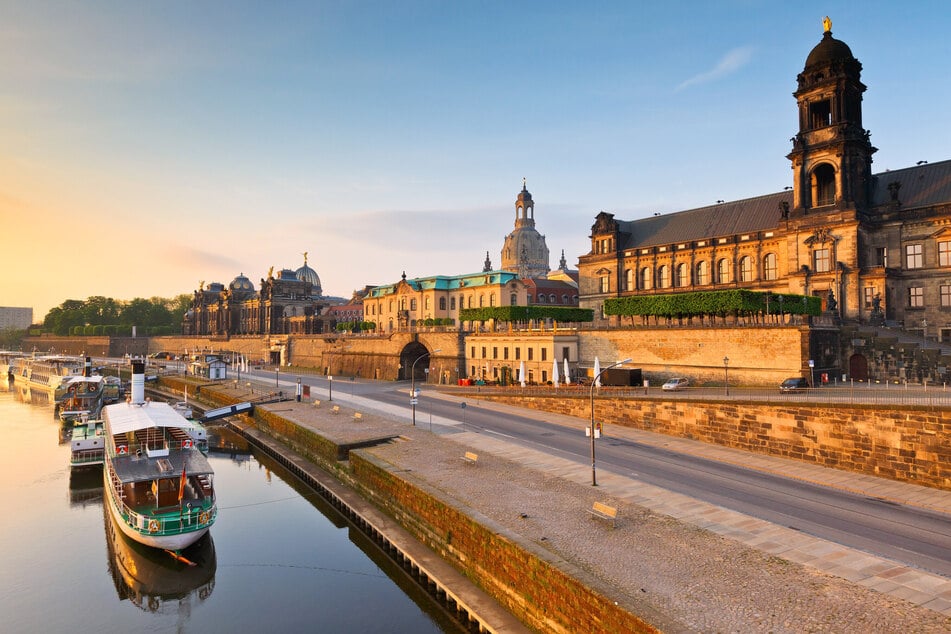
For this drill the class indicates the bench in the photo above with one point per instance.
(336, 409)
(317, 403)
(471, 458)
(357, 416)
(605, 512)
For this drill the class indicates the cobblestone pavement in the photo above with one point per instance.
(707, 568)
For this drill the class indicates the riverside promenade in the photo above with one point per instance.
(679, 563)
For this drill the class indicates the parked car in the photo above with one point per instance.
(794, 384)
(677, 383)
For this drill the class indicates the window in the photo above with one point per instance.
(881, 256)
(470, 301)
(442, 303)
(663, 276)
(646, 278)
(605, 284)
(820, 114)
(869, 293)
(564, 299)
(412, 304)
(746, 269)
(505, 352)
(427, 302)
(770, 270)
(565, 353)
(492, 299)
(483, 352)
(821, 260)
(823, 185)
(495, 352)
(944, 254)
(544, 354)
(481, 301)
(723, 271)
(628, 280)
(683, 275)
(472, 354)
(703, 273)
(518, 353)
(916, 297)
(513, 299)
(913, 256)
(945, 291)
(452, 303)
(531, 354)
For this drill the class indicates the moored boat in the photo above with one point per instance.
(80, 397)
(87, 444)
(46, 372)
(158, 483)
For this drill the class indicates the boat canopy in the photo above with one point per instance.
(123, 418)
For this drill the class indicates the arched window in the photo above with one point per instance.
(513, 299)
(628, 280)
(492, 299)
(564, 299)
(683, 275)
(663, 276)
(746, 269)
(723, 271)
(823, 185)
(412, 304)
(470, 301)
(646, 278)
(481, 301)
(452, 303)
(552, 299)
(442, 303)
(427, 302)
(703, 273)
(770, 271)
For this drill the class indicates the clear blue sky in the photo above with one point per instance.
(151, 146)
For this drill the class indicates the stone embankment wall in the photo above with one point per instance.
(911, 444)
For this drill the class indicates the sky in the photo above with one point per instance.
(146, 147)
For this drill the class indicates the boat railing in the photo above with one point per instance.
(164, 521)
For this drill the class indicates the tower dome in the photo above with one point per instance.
(829, 49)
(241, 284)
(307, 274)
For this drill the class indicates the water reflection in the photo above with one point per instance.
(152, 579)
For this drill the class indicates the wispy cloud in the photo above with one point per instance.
(728, 64)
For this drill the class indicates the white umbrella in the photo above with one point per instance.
(597, 372)
(554, 372)
(567, 374)
(521, 373)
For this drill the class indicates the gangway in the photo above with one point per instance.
(229, 410)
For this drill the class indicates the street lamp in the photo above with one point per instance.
(277, 376)
(330, 387)
(726, 376)
(594, 476)
(412, 373)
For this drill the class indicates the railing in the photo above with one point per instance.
(857, 393)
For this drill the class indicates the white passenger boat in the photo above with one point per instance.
(80, 397)
(158, 484)
(46, 372)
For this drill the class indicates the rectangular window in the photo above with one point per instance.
(518, 353)
(452, 303)
(483, 352)
(945, 296)
(605, 284)
(916, 297)
(881, 256)
(531, 353)
(944, 254)
(822, 260)
(869, 296)
(505, 352)
(412, 304)
(472, 355)
(913, 256)
(544, 354)
(495, 352)
(565, 353)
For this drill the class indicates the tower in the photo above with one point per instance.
(832, 154)
(524, 251)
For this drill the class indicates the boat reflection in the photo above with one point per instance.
(85, 486)
(152, 579)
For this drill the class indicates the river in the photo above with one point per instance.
(279, 559)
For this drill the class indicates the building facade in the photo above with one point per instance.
(15, 318)
(872, 246)
(524, 251)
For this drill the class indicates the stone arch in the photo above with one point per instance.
(410, 355)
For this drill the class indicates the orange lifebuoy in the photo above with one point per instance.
(187, 444)
(203, 517)
(122, 450)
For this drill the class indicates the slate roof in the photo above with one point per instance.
(921, 186)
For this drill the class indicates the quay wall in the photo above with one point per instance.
(911, 444)
(543, 592)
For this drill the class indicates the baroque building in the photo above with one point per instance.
(524, 251)
(875, 247)
(288, 303)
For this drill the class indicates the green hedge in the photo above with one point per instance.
(527, 313)
(712, 303)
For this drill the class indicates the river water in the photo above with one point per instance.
(279, 559)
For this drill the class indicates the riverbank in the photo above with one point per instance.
(502, 519)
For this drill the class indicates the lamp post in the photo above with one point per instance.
(330, 387)
(726, 376)
(277, 376)
(412, 373)
(594, 475)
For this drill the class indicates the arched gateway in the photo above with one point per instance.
(410, 360)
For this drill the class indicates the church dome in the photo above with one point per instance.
(241, 284)
(829, 50)
(307, 274)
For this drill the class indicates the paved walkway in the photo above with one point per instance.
(916, 586)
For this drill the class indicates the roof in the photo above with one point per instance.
(449, 282)
(723, 219)
(134, 469)
(921, 185)
(122, 418)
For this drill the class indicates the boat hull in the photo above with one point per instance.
(168, 541)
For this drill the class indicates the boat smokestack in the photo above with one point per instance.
(138, 382)
(87, 368)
